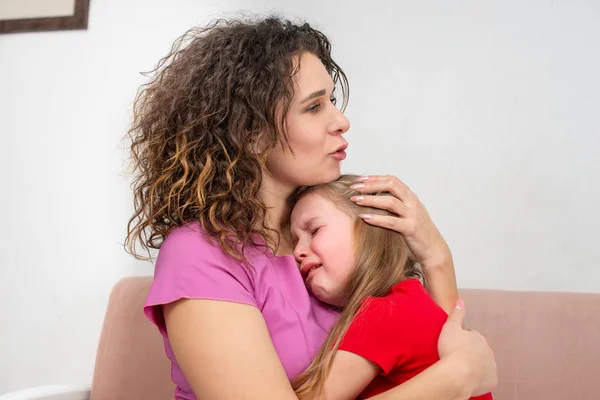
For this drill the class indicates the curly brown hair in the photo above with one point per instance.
(221, 90)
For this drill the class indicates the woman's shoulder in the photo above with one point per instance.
(189, 238)
(189, 247)
(191, 242)
(191, 265)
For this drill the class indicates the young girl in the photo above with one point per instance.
(389, 327)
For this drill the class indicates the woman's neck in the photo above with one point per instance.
(275, 197)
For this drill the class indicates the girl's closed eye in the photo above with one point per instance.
(314, 231)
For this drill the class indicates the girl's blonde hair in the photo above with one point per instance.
(382, 260)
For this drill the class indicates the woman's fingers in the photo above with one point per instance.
(390, 203)
(373, 184)
(402, 225)
(412, 220)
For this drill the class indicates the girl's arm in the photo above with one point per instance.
(467, 368)
(448, 379)
(348, 377)
(351, 374)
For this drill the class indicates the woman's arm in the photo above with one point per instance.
(225, 351)
(441, 279)
(445, 380)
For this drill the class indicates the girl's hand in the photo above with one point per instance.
(470, 351)
(413, 221)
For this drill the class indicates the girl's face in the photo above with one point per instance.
(324, 237)
(315, 127)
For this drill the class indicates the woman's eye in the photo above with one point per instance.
(314, 107)
(314, 231)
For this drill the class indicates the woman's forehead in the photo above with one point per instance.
(311, 76)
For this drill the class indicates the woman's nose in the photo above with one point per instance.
(340, 124)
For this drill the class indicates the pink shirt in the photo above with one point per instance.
(190, 266)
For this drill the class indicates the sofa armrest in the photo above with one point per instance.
(52, 392)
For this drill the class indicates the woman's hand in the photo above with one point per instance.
(413, 221)
(470, 351)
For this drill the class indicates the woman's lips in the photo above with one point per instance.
(339, 155)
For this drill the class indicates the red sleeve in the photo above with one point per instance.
(378, 335)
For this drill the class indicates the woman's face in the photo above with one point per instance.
(324, 246)
(315, 127)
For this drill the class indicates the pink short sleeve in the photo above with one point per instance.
(189, 266)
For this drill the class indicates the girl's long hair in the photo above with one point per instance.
(382, 260)
(220, 91)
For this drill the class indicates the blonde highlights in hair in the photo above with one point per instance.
(383, 259)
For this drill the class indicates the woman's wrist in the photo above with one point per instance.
(462, 376)
(441, 260)
(441, 279)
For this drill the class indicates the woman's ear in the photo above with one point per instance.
(257, 144)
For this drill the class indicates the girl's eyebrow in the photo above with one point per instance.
(303, 226)
(308, 222)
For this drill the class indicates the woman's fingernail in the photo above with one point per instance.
(365, 216)
(357, 198)
(362, 178)
(460, 304)
(357, 186)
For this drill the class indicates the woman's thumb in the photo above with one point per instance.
(457, 316)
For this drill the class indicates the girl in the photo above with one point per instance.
(235, 118)
(388, 329)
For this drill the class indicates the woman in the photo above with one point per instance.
(236, 118)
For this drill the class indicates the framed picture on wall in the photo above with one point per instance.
(43, 15)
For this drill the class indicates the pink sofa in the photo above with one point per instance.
(547, 347)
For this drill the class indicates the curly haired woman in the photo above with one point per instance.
(238, 116)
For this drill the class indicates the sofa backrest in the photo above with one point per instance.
(547, 344)
(131, 361)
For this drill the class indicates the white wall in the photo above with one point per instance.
(487, 109)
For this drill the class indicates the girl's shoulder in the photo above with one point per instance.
(405, 298)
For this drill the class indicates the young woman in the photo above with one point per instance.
(388, 330)
(236, 118)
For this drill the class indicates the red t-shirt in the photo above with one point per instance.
(398, 332)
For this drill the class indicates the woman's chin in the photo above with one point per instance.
(326, 177)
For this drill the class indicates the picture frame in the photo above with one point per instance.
(43, 15)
